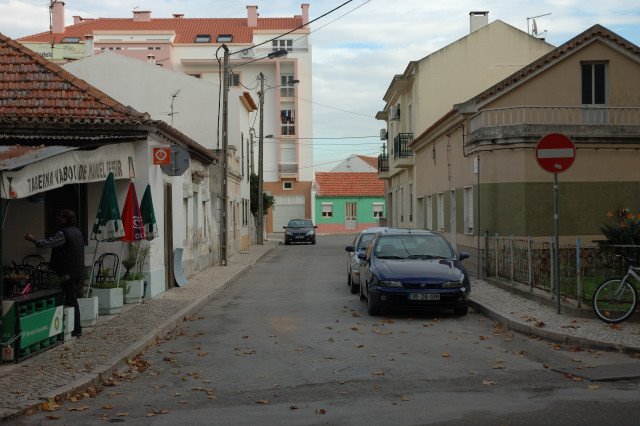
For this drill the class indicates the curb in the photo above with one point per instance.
(550, 335)
(119, 361)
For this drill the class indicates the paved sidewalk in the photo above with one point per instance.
(107, 346)
(521, 313)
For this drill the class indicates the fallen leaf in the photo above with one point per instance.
(321, 411)
(539, 324)
(167, 358)
(52, 417)
(557, 347)
(405, 398)
(359, 346)
(593, 387)
(262, 401)
(568, 376)
(615, 326)
(293, 407)
(81, 408)
(488, 382)
(50, 405)
(203, 353)
(483, 338)
(106, 407)
(635, 355)
(122, 414)
(330, 339)
(576, 360)
(445, 354)
(577, 379)
(355, 314)
(378, 373)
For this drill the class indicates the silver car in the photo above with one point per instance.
(360, 243)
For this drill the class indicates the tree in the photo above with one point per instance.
(267, 200)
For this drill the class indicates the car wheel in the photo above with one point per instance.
(313, 241)
(361, 294)
(286, 242)
(461, 311)
(372, 308)
(354, 288)
(349, 281)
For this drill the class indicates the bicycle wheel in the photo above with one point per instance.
(614, 301)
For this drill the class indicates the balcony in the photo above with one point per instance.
(530, 123)
(383, 166)
(402, 154)
(288, 170)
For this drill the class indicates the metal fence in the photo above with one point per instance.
(530, 262)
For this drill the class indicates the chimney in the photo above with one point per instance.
(478, 20)
(142, 15)
(252, 16)
(77, 20)
(178, 15)
(57, 17)
(305, 13)
(151, 58)
(88, 44)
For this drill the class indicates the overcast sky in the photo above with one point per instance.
(355, 57)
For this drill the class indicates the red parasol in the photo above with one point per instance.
(132, 218)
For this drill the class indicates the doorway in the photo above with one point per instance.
(453, 219)
(350, 216)
(168, 236)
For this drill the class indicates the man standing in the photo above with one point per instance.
(67, 260)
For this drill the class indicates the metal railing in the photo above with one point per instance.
(401, 145)
(558, 115)
(529, 262)
(383, 163)
(288, 169)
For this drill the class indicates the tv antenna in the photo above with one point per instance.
(534, 27)
(173, 98)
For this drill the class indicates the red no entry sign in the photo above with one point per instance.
(555, 152)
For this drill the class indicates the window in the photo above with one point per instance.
(203, 38)
(327, 209)
(287, 185)
(288, 118)
(71, 40)
(593, 84)
(196, 221)
(410, 202)
(468, 210)
(234, 80)
(205, 221)
(378, 209)
(401, 202)
(440, 208)
(282, 44)
(185, 209)
(288, 89)
(224, 38)
(242, 152)
(429, 212)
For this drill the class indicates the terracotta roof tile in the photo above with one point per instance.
(347, 184)
(32, 89)
(184, 28)
(372, 161)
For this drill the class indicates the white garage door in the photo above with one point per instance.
(287, 208)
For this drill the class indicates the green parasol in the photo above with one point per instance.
(108, 224)
(148, 215)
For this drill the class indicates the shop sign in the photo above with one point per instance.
(69, 168)
(59, 52)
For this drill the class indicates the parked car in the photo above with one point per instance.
(360, 243)
(411, 269)
(300, 231)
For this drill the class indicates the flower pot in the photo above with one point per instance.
(88, 311)
(109, 300)
(134, 291)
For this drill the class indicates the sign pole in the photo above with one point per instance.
(556, 253)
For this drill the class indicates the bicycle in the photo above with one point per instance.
(615, 300)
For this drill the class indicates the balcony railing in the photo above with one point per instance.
(383, 163)
(288, 169)
(555, 115)
(401, 145)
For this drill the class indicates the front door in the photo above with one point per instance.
(168, 236)
(453, 219)
(350, 216)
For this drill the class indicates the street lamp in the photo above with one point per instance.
(226, 74)
(260, 224)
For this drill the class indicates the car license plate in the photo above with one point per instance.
(424, 296)
(299, 237)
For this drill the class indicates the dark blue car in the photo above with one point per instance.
(413, 269)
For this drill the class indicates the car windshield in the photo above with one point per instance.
(412, 246)
(300, 224)
(364, 241)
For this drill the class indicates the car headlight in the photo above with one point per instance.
(310, 234)
(288, 233)
(391, 284)
(454, 284)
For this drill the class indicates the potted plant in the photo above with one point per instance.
(133, 279)
(109, 294)
(88, 305)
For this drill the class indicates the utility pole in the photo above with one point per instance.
(225, 163)
(251, 158)
(260, 166)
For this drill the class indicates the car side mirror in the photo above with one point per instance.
(463, 255)
(315, 226)
(350, 249)
(362, 256)
(284, 227)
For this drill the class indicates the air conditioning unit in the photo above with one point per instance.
(246, 53)
(395, 113)
(383, 134)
